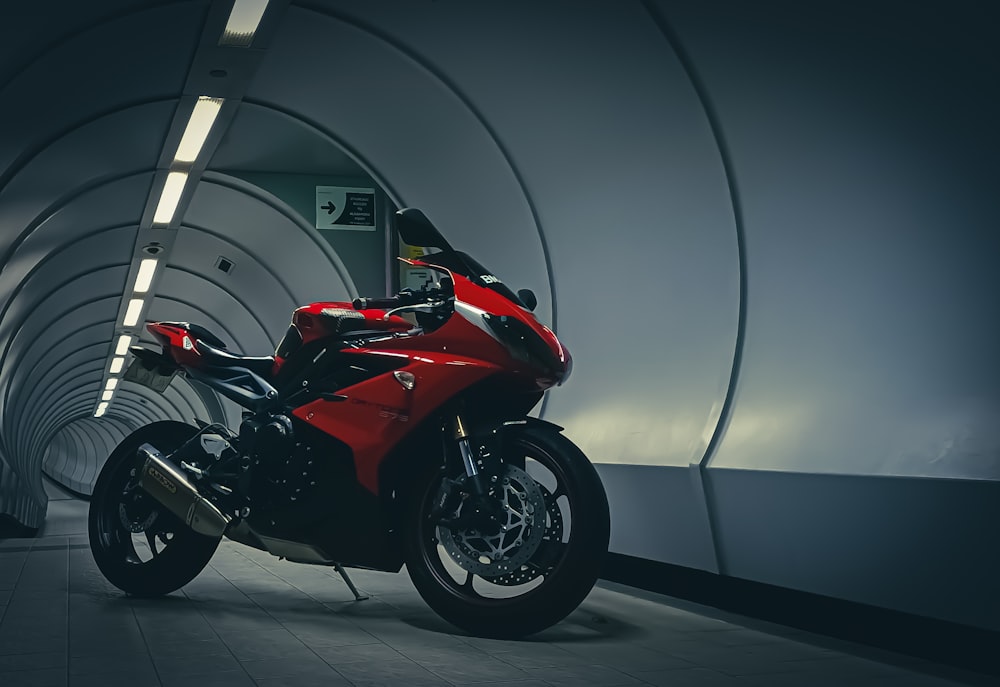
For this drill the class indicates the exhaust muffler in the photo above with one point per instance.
(168, 485)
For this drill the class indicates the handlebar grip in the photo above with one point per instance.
(365, 303)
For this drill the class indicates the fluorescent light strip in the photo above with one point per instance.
(111, 384)
(116, 365)
(147, 268)
(243, 23)
(101, 409)
(170, 197)
(124, 341)
(132, 314)
(199, 125)
(106, 396)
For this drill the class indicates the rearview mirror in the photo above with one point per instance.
(527, 297)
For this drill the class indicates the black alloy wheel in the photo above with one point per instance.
(140, 546)
(537, 564)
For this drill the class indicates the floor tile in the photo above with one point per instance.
(361, 653)
(461, 671)
(250, 619)
(327, 680)
(46, 677)
(582, 676)
(698, 677)
(236, 678)
(52, 659)
(277, 667)
(200, 667)
(403, 672)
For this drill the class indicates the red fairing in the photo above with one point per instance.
(485, 335)
(379, 412)
(465, 334)
(178, 343)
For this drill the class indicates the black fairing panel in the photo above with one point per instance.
(326, 368)
(290, 342)
(326, 507)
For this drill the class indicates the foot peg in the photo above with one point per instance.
(358, 596)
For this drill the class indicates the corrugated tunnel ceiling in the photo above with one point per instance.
(95, 99)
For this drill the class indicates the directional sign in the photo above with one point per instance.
(339, 207)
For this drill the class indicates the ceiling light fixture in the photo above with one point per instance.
(124, 341)
(243, 23)
(116, 365)
(199, 125)
(147, 268)
(132, 314)
(170, 197)
(111, 384)
(101, 409)
(106, 396)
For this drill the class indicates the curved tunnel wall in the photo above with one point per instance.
(74, 183)
(767, 284)
(765, 233)
(61, 183)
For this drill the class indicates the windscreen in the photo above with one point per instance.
(463, 264)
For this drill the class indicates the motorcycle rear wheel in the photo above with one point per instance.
(165, 554)
(558, 575)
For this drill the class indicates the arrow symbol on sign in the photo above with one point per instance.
(329, 207)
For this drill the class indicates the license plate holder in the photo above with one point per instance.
(150, 374)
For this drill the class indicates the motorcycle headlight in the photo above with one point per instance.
(525, 345)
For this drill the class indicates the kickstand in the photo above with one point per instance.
(358, 596)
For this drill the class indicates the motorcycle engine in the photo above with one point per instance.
(283, 475)
(270, 435)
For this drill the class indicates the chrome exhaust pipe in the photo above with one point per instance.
(168, 485)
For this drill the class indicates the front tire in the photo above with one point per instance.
(140, 546)
(504, 595)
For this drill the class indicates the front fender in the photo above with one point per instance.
(532, 422)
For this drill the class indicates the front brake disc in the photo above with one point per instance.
(552, 538)
(519, 536)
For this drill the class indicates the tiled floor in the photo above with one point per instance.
(250, 619)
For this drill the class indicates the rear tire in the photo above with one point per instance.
(161, 556)
(560, 572)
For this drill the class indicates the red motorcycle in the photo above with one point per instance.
(371, 440)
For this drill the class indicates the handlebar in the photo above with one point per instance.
(406, 297)
(380, 303)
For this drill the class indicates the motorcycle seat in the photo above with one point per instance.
(218, 357)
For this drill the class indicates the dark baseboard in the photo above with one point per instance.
(12, 529)
(935, 640)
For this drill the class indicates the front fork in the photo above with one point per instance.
(470, 491)
(475, 478)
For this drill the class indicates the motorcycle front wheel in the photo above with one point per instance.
(140, 546)
(542, 563)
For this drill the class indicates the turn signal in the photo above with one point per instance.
(405, 379)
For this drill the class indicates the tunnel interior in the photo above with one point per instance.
(767, 234)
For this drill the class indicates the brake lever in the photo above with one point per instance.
(416, 307)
